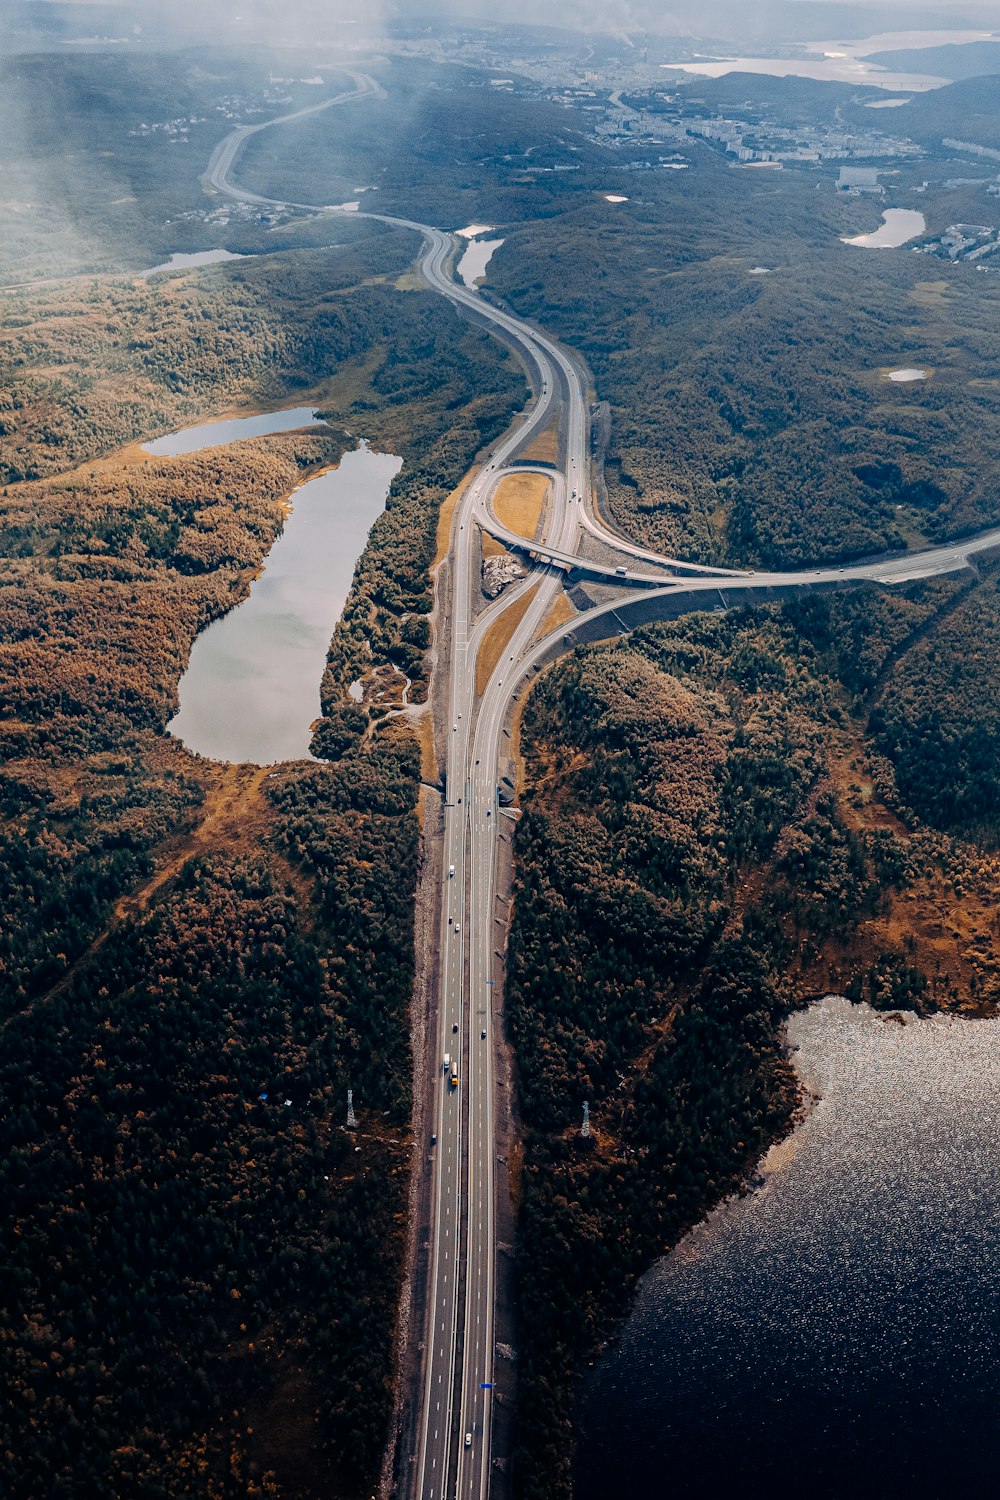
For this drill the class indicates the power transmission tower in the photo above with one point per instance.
(352, 1119)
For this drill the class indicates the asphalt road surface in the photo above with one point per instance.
(453, 1457)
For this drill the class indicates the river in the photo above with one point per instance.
(833, 1333)
(251, 689)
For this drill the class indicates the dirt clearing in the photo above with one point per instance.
(519, 501)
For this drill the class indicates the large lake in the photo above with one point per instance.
(840, 69)
(251, 689)
(837, 1331)
(843, 61)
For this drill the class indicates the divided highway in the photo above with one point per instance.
(453, 1453)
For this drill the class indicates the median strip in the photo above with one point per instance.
(496, 639)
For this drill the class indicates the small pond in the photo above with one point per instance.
(231, 430)
(475, 258)
(898, 225)
(185, 262)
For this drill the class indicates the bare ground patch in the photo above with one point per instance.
(519, 502)
(544, 449)
(496, 638)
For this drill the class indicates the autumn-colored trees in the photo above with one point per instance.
(708, 838)
(197, 961)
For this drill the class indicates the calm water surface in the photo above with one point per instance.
(828, 70)
(475, 259)
(182, 261)
(835, 1333)
(251, 689)
(898, 225)
(232, 430)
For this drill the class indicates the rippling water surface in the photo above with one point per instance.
(834, 1333)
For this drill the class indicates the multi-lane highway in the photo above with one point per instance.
(454, 1429)
(453, 1450)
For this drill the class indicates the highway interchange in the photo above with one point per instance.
(453, 1451)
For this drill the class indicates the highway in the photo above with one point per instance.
(453, 1451)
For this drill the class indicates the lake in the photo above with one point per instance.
(833, 69)
(184, 262)
(475, 258)
(898, 225)
(231, 430)
(251, 689)
(835, 1331)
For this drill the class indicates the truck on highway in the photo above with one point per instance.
(453, 1080)
(447, 1061)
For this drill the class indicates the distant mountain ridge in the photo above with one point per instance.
(955, 61)
(968, 110)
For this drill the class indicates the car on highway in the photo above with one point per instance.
(468, 1439)
(482, 1035)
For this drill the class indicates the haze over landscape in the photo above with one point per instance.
(499, 775)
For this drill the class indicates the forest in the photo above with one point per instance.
(197, 960)
(744, 352)
(725, 816)
(123, 192)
